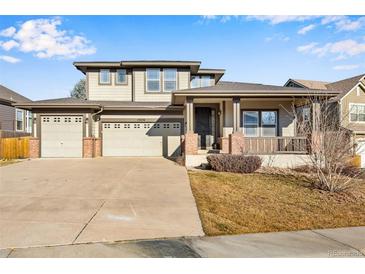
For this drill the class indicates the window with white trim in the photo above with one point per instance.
(357, 113)
(169, 79)
(19, 120)
(104, 76)
(28, 121)
(260, 123)
(268, 123)
(199, 81)
(121, 76)
(250, 123)
(153, 79)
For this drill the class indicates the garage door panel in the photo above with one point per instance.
(141, 139)
(61, 136)
(360, 150)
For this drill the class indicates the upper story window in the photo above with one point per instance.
(19, 120)
(198, 81)
(153, 79)
(205, 81)
(169, 79)
(195, 82)
(121, 76)
(357, 113)
(104, 76)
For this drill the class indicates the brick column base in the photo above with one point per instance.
(191, 143)
(224, 144)
(34, 148)
(236, 143)
(88, 147)
(97, 147)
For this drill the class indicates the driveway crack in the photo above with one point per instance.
(92, 217)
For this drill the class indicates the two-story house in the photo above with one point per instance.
(350, 104)
(166, 108)
(13, 121)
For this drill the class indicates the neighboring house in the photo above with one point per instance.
(11, 118)
(165, 108)
(350, 102)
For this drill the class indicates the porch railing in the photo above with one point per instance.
(275, 145)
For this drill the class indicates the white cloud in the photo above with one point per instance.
(9, 59)
(45, 39)
(8, 32)
(278, 19)
(344, 23)
(346, 67)
(307, 47)
(343, 49)
(8, 45)
(306, 29)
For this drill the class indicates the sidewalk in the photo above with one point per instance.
(341, 242)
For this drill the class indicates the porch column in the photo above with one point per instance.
(236, 114)
(316, 139)
(236, 139)
(190, 138)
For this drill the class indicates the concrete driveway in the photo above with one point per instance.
(48, 202)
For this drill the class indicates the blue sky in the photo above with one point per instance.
(36, 52)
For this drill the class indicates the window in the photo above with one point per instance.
(104, 76)
(357, 113)
(250, 123)
(169, 79)
(19, 120)
(198, 81)
(28, 121)
(205, 81)
(260, 123)
(268, 123)
(195, 82)
(153, 80)
(121, 76)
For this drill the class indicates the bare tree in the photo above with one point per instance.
(330, 145)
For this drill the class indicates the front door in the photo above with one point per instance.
(204, 120)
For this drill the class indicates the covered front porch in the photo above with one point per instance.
(251, 119)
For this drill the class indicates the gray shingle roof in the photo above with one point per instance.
(345, 85)
(12, 96)
(311, 83)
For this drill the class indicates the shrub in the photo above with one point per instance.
(234, 163)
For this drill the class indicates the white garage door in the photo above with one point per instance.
(61, 136)
(141, 139)
(360, 150)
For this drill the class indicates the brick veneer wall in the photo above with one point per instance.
(224, 144)
(34, 151)
(191, 143)
(236, 143)
(88, 147)
(97, 147)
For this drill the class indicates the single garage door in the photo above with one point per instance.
(360, 150)
(61, 136)
(141, 139)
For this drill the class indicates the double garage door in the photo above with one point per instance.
(61, 136)
(141, 139)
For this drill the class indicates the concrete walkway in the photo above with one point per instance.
(341, 242)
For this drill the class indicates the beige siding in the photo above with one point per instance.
(112, 92)
(352, 97)
(140, 94)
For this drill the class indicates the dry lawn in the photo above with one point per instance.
(231, 203)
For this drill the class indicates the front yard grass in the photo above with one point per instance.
(230, 203)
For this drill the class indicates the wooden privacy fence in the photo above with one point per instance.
(275, 145)
(14, 148)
